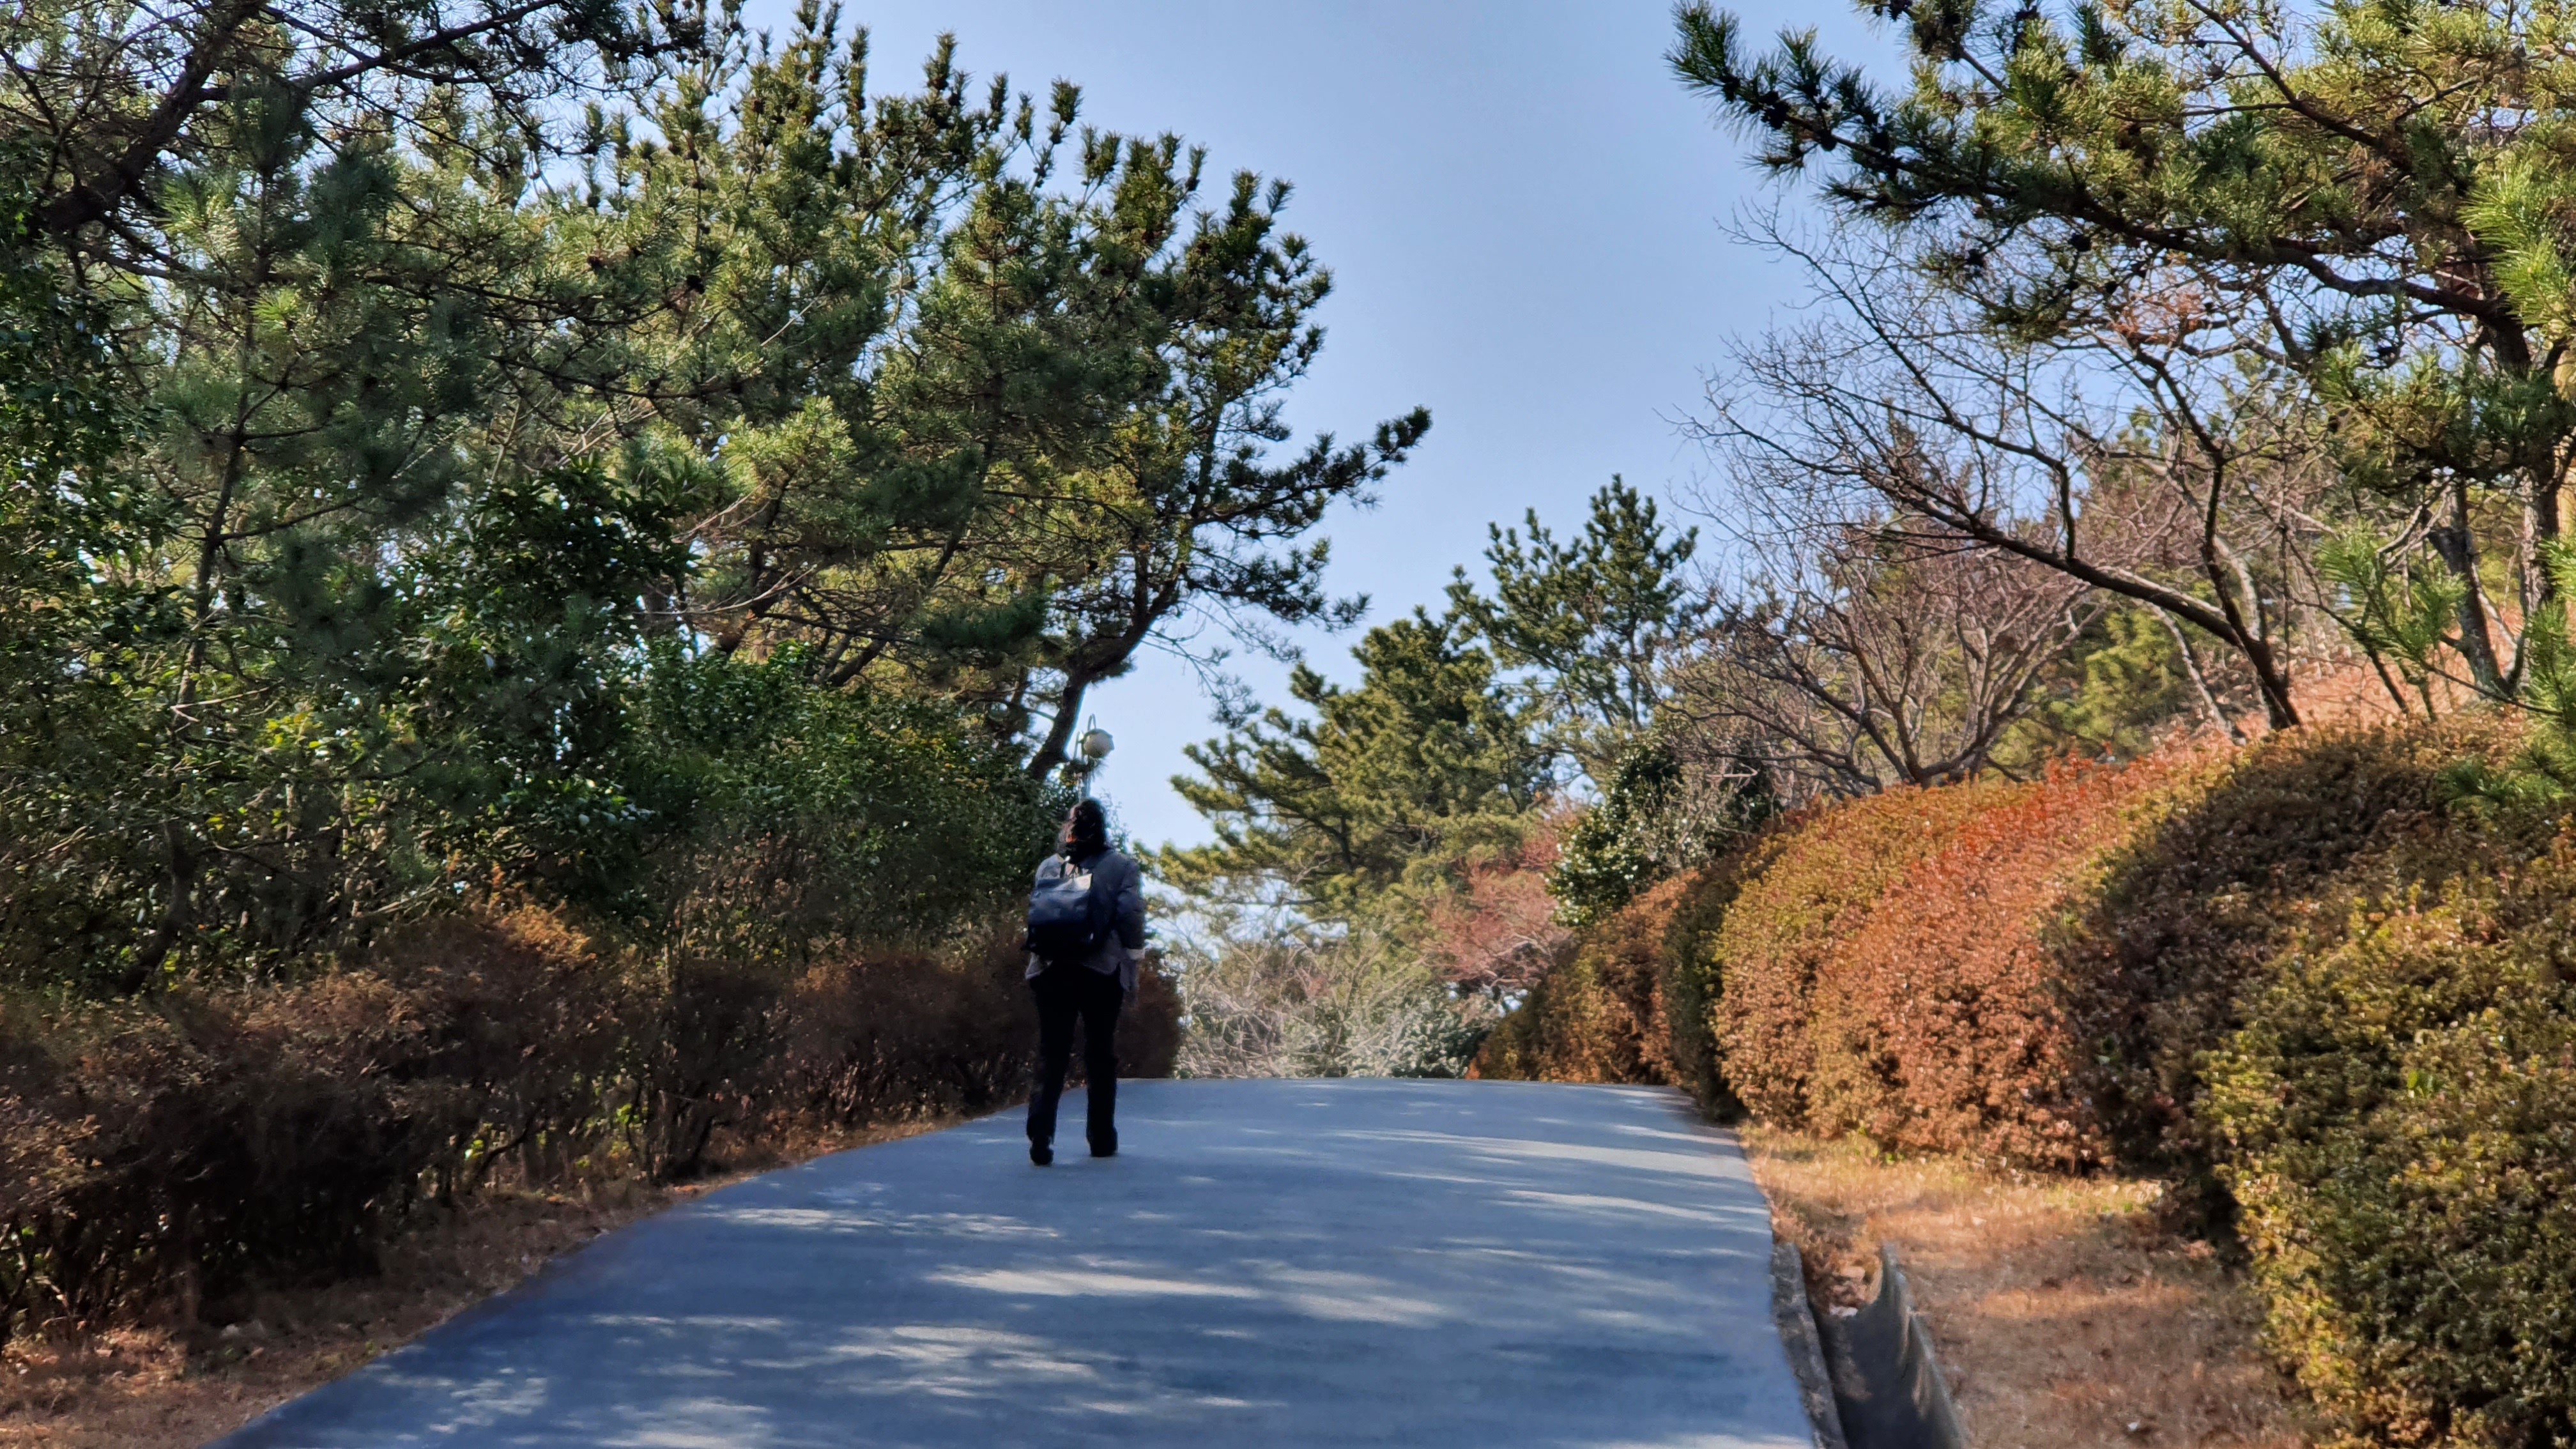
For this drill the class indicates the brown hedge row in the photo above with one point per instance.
(1706, 980)
(2157, 956)
(1939, 1021)
(177, 1150)
(1810, 885)
(1631, 1002)
(2339, 1012)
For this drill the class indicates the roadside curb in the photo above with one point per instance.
(1798, 1334)
(1888, 1391)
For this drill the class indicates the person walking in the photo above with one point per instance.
(1086, 922)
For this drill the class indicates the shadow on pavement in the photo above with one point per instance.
(1306, 1263)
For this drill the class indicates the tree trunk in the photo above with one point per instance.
(1059, 736)
(2458, 550)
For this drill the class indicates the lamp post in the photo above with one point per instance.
(1091, 751)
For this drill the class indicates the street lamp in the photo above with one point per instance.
(1096, 744)
(1090, 750)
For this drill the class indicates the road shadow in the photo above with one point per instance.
(1345, 1262)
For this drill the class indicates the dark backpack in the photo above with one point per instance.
(1068, 921)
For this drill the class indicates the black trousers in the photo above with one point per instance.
(1065, 993)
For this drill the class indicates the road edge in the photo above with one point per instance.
(1797, 1320)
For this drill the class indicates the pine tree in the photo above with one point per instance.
(994, 393)
(1589, 622)
(1389, 783)
(2370, 196)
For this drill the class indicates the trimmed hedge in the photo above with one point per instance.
(2157, 956)
(1939, 1021)
(2336, 1015)
(1613, 1012)
(1810, 884)
(181, 1148)
(2397, 1121)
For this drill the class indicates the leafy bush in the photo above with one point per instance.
(185, 1145)
(1608, 1014)
(1810, 883)
(1654, 819)
(2154, 957)
(2397, 1119)
(1691, 982)
(1586, 1021)
(1939, 1022)
(176, 1146)
(772, 819)
(2330, 1011)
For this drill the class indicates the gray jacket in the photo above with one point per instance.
(1115, 873)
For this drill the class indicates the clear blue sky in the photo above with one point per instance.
(1522, 212)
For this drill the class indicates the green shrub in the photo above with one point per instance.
(2397, 1119)
(773, 819)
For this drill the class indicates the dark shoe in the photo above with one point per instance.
(1041, 1154)
(1105, 1149)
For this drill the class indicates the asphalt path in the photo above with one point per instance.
(1481, 1264)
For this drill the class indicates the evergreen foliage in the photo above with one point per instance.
(1391, 782)
(1655, 820)
(2362, 197)
(1463, 728)
(404, 408)
(982, 433)
(1589, 622)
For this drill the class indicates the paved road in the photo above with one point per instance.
(1483, 1264)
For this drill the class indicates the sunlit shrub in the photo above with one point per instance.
(1810, 885)
(1275, 995)
(2396, 1116)
(1939, 1022)
(2334, 1013)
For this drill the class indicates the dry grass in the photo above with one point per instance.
(2063, 1314)
(175, 1386)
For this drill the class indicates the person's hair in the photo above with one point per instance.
(1086, 830)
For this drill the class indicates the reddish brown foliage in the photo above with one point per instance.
(2331, 1012)
(2189, 912)
(1496, 931)
(1811, 882)
(1600, 1016)
(189, 1145)
(1939, 1023)
(1627, 1007)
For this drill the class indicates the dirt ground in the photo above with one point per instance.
(2061, 1313)
(176, 1386)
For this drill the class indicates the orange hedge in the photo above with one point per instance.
(1601, 1015)
(1811, 882)
(2336, 1013)
(1940, 1022)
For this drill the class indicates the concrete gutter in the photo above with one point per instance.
(1888, 1387)
(1797, 1317)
